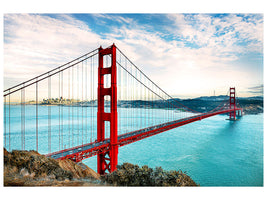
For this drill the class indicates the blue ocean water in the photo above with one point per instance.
(214, 151)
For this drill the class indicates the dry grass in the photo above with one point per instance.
(29, 168)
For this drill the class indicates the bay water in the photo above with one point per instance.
(213, 151)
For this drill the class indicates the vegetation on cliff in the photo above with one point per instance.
(29, 168)
(133, 175)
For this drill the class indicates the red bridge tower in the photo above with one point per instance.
(232, 104)
(107, 160)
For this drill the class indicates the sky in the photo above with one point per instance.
(187, 55)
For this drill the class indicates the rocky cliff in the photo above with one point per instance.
(133, 175)
(29, 168)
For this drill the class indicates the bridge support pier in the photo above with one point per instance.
(107, 161)
(239, 113)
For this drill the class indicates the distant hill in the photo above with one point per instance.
(212, 98)
(252, 98)
(219, 98)
(250, 105)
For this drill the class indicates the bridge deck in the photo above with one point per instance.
(84, 151)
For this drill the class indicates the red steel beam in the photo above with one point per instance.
(79, 156)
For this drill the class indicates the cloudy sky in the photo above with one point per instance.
(187, 55)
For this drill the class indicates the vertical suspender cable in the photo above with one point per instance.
(141, 102)
(5, 122)
(9, 122)
(62, 102)
(153, 104)
(91, 102)
(23, 119)
(118, 93)
(69, 103)
(119, 97)
(133, 103)
(125, 100)
(120, 89)
(150, 103)
(168, 109)
(21, 113)
(82, 103)
(127, 96)
(78, 103)
(131, 97)
(86, 100)
(145, 103)
(72, 106)
(93, 99)
(49, 115)
(59, 138)
(147, 112)
(37, 115)
(121, 108)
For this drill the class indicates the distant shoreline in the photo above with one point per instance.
(254, 110)
(250, 105)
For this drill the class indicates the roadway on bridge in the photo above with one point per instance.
(84, 151)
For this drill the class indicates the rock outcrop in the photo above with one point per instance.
(30, 168)
(133, 175)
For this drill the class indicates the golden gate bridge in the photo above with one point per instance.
(93, 105)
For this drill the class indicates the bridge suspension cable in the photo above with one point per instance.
(160, 90)
(57, 110)
(52, 101)
(136, 90)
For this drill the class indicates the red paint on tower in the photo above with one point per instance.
(107, 160)
(232, 104)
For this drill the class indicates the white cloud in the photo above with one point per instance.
(101, 18)
(40, 43)
(34, 41)
(203, 30)
(209, 66)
